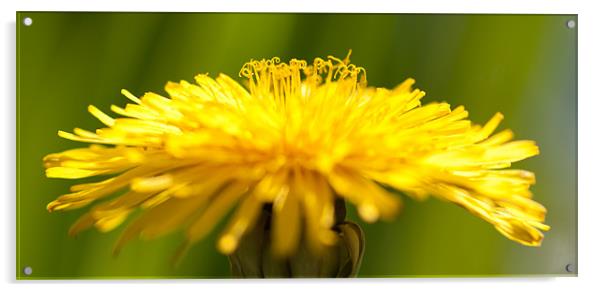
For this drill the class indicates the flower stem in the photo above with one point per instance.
(254, 259)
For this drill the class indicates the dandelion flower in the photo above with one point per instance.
(297, 138)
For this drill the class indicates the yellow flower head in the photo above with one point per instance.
(296, 139)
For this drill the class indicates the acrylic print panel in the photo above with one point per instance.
(291, 168)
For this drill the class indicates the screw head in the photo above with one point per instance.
(27, 21)
(27, 270)
(570, 24)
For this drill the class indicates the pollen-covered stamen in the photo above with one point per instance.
(270, 78)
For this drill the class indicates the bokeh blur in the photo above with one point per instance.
(521, 65)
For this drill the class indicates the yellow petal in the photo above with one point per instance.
(223, 202)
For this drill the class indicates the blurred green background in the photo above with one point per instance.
(521, 65)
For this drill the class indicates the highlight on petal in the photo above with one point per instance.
(294, 142)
